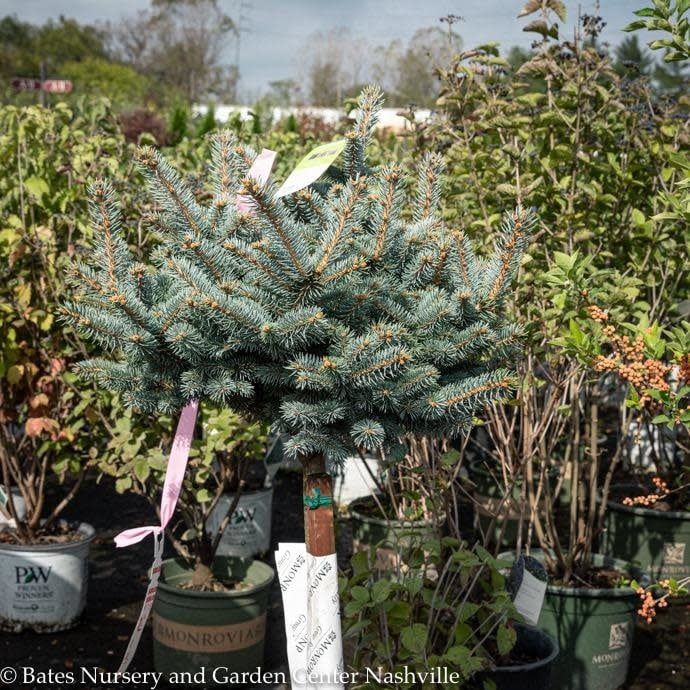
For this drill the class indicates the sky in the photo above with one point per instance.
(275, 32)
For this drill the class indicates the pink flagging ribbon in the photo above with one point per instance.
(260, 170)
(174, 476)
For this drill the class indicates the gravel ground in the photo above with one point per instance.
(661, 656)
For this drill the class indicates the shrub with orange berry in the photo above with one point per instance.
(655, 597)
(655, 364)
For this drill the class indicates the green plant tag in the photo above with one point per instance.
(3, 497)
(311, 167)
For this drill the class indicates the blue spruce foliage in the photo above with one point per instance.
(347, 314)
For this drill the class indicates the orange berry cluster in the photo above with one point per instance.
(629, 361)
(684, 368)
(649, 499)
(649, 604)
(597, 313)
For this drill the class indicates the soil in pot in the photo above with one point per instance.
(528, 666)
(44, 583)
(211, 629)
(656, 537)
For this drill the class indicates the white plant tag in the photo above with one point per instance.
(309, 585)
(325, 651)
(311, 167)
(530, 597)
(291, 563)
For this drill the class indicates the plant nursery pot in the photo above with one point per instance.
(44, 585)
(535, 675)
(658, 542)
(388, 537)
(248, 533)
(594, 628)
(209, 630)
(352, 479)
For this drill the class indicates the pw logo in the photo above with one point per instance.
(243, 515)
(30, 574)
(674, 554)
(619, 635)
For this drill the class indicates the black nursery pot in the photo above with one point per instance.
(536, 675)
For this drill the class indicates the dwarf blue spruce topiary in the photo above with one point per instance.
(346, 313)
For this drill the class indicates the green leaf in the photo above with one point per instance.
(203, 496)
(380, 591)
(414, 638)
(360, 594)
(458, 655)
(36, 186)
(505, 639)
(360, 563)
(123, 484)
(142, 469)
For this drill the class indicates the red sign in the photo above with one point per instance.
(57, 85)
(25, 84)
(49, 85)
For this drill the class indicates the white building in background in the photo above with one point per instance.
(389, 118)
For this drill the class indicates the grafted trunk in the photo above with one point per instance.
(319, 533)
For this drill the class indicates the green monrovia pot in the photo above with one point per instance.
(389, 538)
(489, 502)
(594, 628)
(195, 630)
(535, 675)
(657, 541)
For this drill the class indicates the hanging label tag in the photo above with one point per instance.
(311, 167)
(529, 598)
(260, 170)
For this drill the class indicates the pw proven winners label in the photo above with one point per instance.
(248, 533)
(41, 590)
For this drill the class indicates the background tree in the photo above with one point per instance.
(631, 55)
(23, 46)
(406, 72)
(336, 66)
(180, 43)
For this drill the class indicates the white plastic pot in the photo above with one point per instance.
(19, 506)
(44, 585)
(248, 533)
(352, 480)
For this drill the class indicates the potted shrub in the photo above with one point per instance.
(408, 504)
(647, 520)
(448, 615)
(227, 466)
(208, 603)
(322, 311)
(48, 427)
(598, 215)
(43, 558)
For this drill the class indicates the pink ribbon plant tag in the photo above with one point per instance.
(174, 475)
(260, 170)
